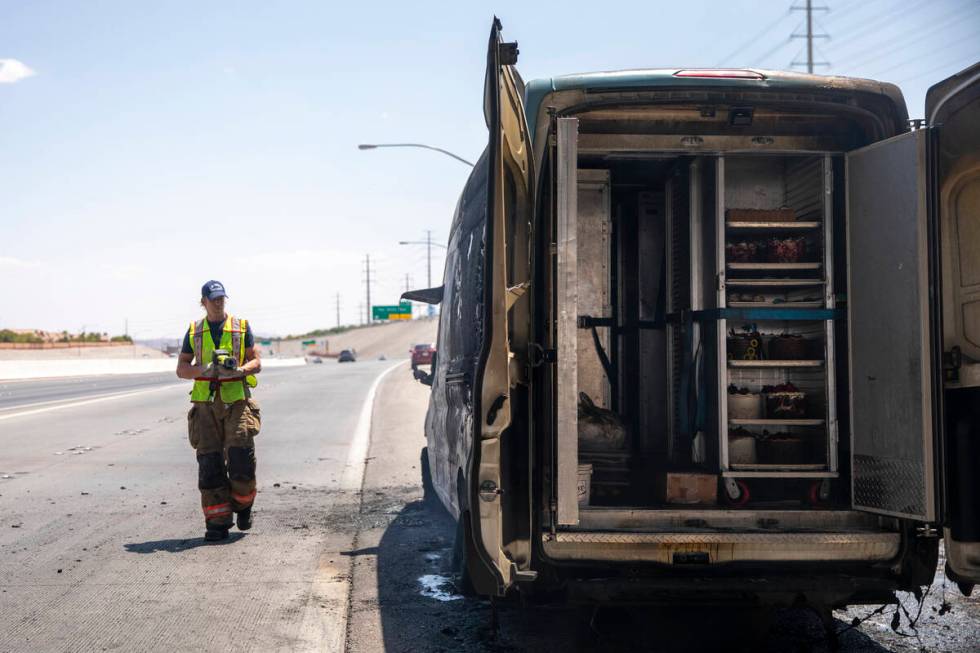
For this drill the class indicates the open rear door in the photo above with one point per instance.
(508, 197)
(953, 113)
(891, 328)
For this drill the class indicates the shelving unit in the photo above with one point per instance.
(806, 285)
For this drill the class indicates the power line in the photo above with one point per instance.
(755, 39)
(761, 58)
(919, 57)
(957, 63)
(903, 43)
(862, 28)
(835, 15)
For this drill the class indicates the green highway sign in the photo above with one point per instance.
(309, 342)
(265, 343)
(402, 311)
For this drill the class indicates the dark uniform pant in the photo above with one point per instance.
(223, 436)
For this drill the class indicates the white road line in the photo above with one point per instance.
(95, 400)
(61, 401)
(353, 474)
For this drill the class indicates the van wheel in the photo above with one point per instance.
(461, 570)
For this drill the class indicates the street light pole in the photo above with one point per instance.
(428, 242)
(374, 146)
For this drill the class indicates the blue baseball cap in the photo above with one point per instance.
(213, 289)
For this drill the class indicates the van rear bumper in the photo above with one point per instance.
(718, 548)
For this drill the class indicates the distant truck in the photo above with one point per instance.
(769, 281)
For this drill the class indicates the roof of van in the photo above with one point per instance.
(753, 79)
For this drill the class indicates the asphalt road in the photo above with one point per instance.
(101, 547)
(21, 395)
(100, 521)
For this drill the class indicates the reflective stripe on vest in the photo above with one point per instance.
(203, 346)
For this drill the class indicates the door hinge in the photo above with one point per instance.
(720, 281)
(522, 575)
(538, 355)
(507, 53)
(926, 531)
(952, 360)
(489, 491)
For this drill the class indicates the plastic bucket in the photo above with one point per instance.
(747, 406)
(584, 484)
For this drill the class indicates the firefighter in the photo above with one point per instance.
(219, 355)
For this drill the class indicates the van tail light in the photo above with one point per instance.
(721, 73)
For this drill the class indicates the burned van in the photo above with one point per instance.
(712, 336)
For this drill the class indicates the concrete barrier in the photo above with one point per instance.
(47, 369)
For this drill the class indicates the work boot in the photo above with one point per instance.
(245, 519)
(215, 534)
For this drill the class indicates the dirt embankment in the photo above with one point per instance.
(391, 339)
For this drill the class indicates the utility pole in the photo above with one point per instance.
(367, 285)
(809, 36)
(428, 258)
(338, 309)
(408, 282)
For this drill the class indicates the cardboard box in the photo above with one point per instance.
(685, 488)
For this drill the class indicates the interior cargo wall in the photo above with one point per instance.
(592, 237)
(653, 418)
(678, 237)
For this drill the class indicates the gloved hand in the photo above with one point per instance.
(225, 373)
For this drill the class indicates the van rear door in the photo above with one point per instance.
(891, 329)
(508, 196)
(913, 238)
(953, 112)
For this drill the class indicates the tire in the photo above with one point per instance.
(461, 570)
(428, 489)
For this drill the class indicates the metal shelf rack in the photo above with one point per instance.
(814, 175)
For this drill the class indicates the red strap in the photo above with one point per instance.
(246, 498)
(217, 510)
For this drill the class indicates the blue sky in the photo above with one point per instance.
(158, 145)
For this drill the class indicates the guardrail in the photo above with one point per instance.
(61, 345)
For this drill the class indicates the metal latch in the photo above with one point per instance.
(507, 53)
(489, 491)
(952, 360)
(538, 355)
(926, 531)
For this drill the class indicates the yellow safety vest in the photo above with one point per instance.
(232, 341)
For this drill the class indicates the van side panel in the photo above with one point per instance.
(449, 421)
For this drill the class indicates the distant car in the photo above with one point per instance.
(422, 354)
(316, 360)
(347, 356)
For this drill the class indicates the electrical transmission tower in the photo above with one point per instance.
(367, 286)
(338, 309)
(809, 36)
